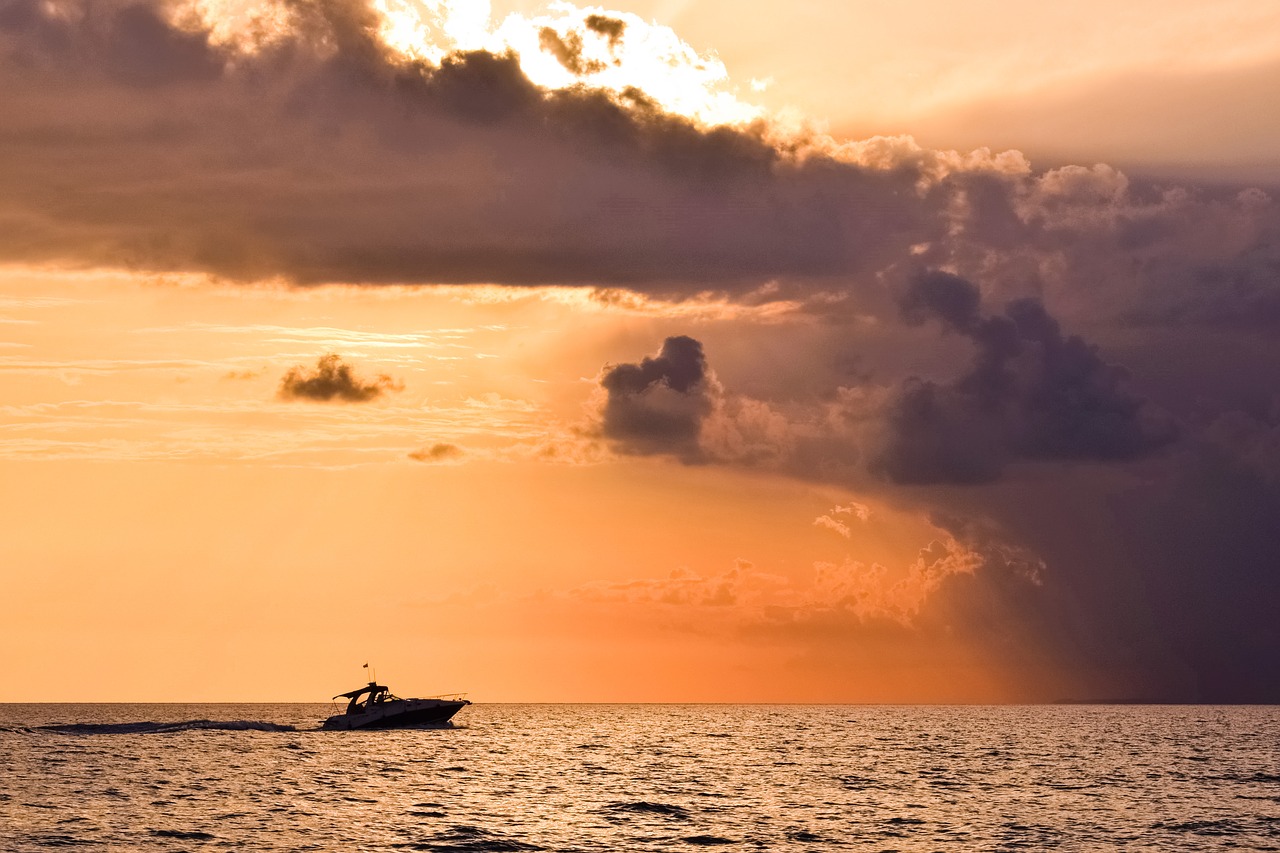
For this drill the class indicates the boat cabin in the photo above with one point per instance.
(377, 694)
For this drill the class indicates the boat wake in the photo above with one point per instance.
(148, 728)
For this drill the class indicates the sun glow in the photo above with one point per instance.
(570, 46)
(564, 47)
(622, 52)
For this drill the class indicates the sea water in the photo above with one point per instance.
(643, 777)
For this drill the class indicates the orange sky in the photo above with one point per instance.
(1170, 88)
(173, 530)
(760, 408)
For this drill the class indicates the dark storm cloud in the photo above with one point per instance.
(130, 43)
(1031, 393)
(1210, 567)
(1109, 561)
(1099, 248)
(324, 157)
(947, 297)
(1159, 588)
(333, 379)
(658, 405)
(1241, 292)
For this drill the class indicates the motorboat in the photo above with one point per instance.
(375, 707)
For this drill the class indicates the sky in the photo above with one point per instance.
(661, 352)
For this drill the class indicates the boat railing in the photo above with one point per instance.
(449, 697)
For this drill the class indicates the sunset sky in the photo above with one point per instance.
(667, 351)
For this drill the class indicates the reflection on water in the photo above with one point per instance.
(642, 777)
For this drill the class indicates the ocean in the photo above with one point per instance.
(643, 777)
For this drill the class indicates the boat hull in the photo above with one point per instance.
(399, 714)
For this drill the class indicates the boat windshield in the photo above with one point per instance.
(367, 697)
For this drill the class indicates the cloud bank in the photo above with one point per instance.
(322, 154)
(339, 141)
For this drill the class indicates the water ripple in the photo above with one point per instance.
(583, 779)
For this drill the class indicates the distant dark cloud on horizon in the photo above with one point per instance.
(333, 379)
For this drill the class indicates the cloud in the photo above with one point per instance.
(567, 50)
(322, 154)
(1251, 441)
(611, 28)
(658, 405)
(319, 143)
(1031, 393)
(333, 379)
(924, 601)
(1160, 120)
(438, 453)
(838, 527)
(871, 592)
(562, 448)
(860, 511)
(1160, 588)
(1241, 292)
(1208, 573)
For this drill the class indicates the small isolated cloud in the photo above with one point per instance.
(333, 379)
(438, 453)
(610, 28)
(658, 405)
(860, 511)
(832, 524)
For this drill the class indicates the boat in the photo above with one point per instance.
(375, 707)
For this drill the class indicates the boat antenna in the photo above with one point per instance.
(373, 676)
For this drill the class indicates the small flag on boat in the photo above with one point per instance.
(366, 666)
